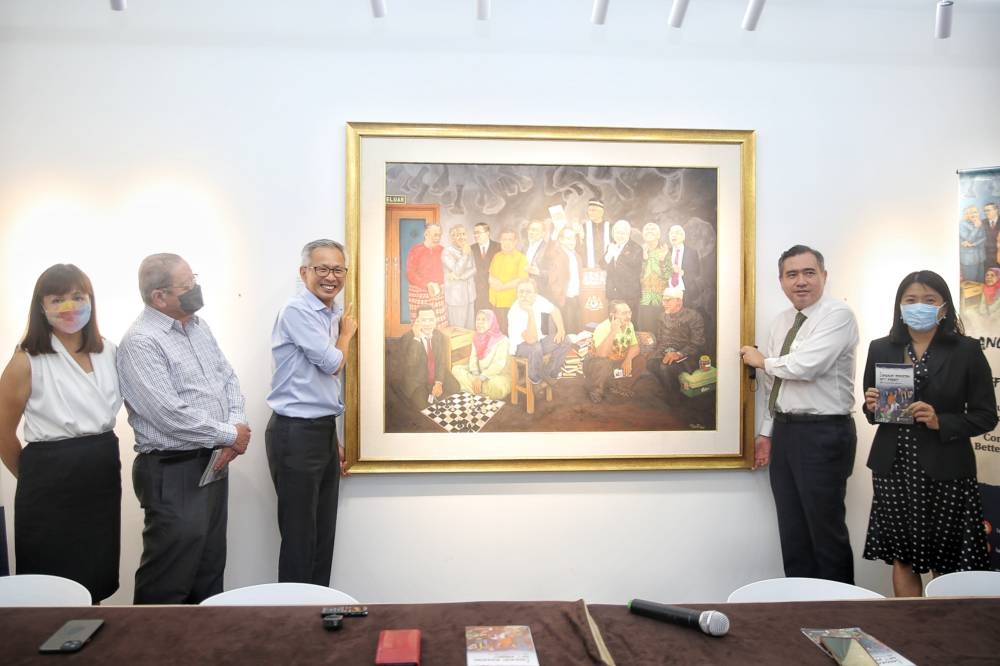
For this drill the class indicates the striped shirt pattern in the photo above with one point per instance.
(305, 358)
(180, 391)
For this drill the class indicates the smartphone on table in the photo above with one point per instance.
(71, 637)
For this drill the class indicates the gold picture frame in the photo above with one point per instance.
(427, 155)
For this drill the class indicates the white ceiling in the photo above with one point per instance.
(865, 31)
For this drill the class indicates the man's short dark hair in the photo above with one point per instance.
(795, 251)
(615, 303)
(424, 308)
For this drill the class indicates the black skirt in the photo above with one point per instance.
(929, 524)
(67, 511)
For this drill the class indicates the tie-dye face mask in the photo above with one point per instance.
(69, 316)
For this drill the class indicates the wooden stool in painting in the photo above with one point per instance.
(519, 383)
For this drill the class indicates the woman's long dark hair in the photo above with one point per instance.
(59, 279)
(949, 327)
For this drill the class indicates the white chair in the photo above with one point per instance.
(280, 594)
(965, 584)
(799, 589)
(42, 590)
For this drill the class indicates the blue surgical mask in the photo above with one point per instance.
(920, 316)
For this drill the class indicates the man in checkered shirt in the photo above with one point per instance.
(184, 402)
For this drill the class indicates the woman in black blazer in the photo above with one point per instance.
(926, 512)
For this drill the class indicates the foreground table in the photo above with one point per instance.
(286, 635)
(925, 631)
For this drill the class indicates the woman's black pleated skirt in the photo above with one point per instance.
(67, 511)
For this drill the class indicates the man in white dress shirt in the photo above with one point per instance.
(807, 434)
(528, 337)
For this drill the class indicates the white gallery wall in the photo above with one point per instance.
(216, 130)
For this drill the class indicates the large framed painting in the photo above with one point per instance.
(549, 298)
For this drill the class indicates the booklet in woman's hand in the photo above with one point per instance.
(894, 382)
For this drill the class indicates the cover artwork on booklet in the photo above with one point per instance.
(894, 382)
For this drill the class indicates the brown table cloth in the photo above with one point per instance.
(928, 632)
(286, 635)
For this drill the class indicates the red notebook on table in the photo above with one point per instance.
(398, 647)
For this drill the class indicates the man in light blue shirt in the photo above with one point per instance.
(309, 344)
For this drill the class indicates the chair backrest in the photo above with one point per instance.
(280, 594)
(965, 584)
(42, 590)
(800, 589)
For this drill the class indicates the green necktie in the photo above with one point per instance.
(786, 346)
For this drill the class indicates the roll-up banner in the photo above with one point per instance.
(979, 304)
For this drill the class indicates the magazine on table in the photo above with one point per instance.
(881, 653)
(500, 646)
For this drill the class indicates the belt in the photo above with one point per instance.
(173, 457)
(332, 418)
(782, 417)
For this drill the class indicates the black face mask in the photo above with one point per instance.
(191, 300)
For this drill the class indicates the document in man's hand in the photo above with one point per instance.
(210, 475)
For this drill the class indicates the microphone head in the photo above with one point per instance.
(714, 623)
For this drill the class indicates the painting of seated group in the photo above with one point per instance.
(550, 298)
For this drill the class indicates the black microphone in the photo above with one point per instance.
(709, 622)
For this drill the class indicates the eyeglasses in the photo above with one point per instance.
(323, 271)
(185, 287)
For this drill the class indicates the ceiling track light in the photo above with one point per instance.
(942, 23)
(378, 8)
(119, 5)
(677, 12)
(754, 8)
(483, 10)
(600, 13)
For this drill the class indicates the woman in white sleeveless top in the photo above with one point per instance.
(62, 380)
